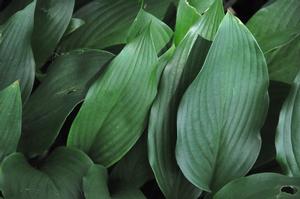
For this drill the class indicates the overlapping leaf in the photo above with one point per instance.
(107, 22)
(218, 123)
(179, 72)
(51, 20)
(112, 117)
(277, 29)
(160, 31)
(59, 177)
(95, 185)
(65, 86)
(188, 13)
(16, 57)
(287, 137)
(10, 119)
(261, 186)
(12, 8)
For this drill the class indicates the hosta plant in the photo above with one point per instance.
(131, 99)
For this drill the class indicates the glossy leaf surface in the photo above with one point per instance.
(51, 20)
(277, 30)
(261, 186)
(10, 119)
(218, 124)
(16, 57)
(65, 86)
(178, 74)
(113, 114)
(287, 137)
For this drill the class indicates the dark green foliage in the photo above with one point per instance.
(136, 99)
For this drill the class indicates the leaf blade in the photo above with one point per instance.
(212, 92)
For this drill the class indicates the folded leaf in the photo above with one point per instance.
(51, 20)
(178, 74)
(218, 123)
(287, 137)
(16, 58)
(261, 186)
(113, 114)
(65, 86)
(10, 119)
(160, 31)
(188, 13)
(59, 177)
(277, 30)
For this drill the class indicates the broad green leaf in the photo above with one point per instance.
(287, 137)
(95, 183)
(277, 29)
(51, 20)
(113, 114)
(178, 74)
(218, 123)
(188, 13)
(133, 169)
(107, 22)
(10, 119)
(20, 180)
(59, 177)
(16, 57)
(261, 186)
(160, 31)
(65, 86)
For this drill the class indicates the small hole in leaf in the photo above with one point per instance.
(289, 189)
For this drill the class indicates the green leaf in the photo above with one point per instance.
(188, 13)
(276, 28)
(95, 183)
(59, 177)
(106, 24)
(133, 169)
(74, 24)
(178, 74)
(278, 92)
(261, 186)
(287, 137)
(128, 193)
(51, 20)
(10, 119)
(13, 7)
(113, 114)
(218, 124)
(157, 7)
(65, 86)
(16, 58)
(160, 31)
